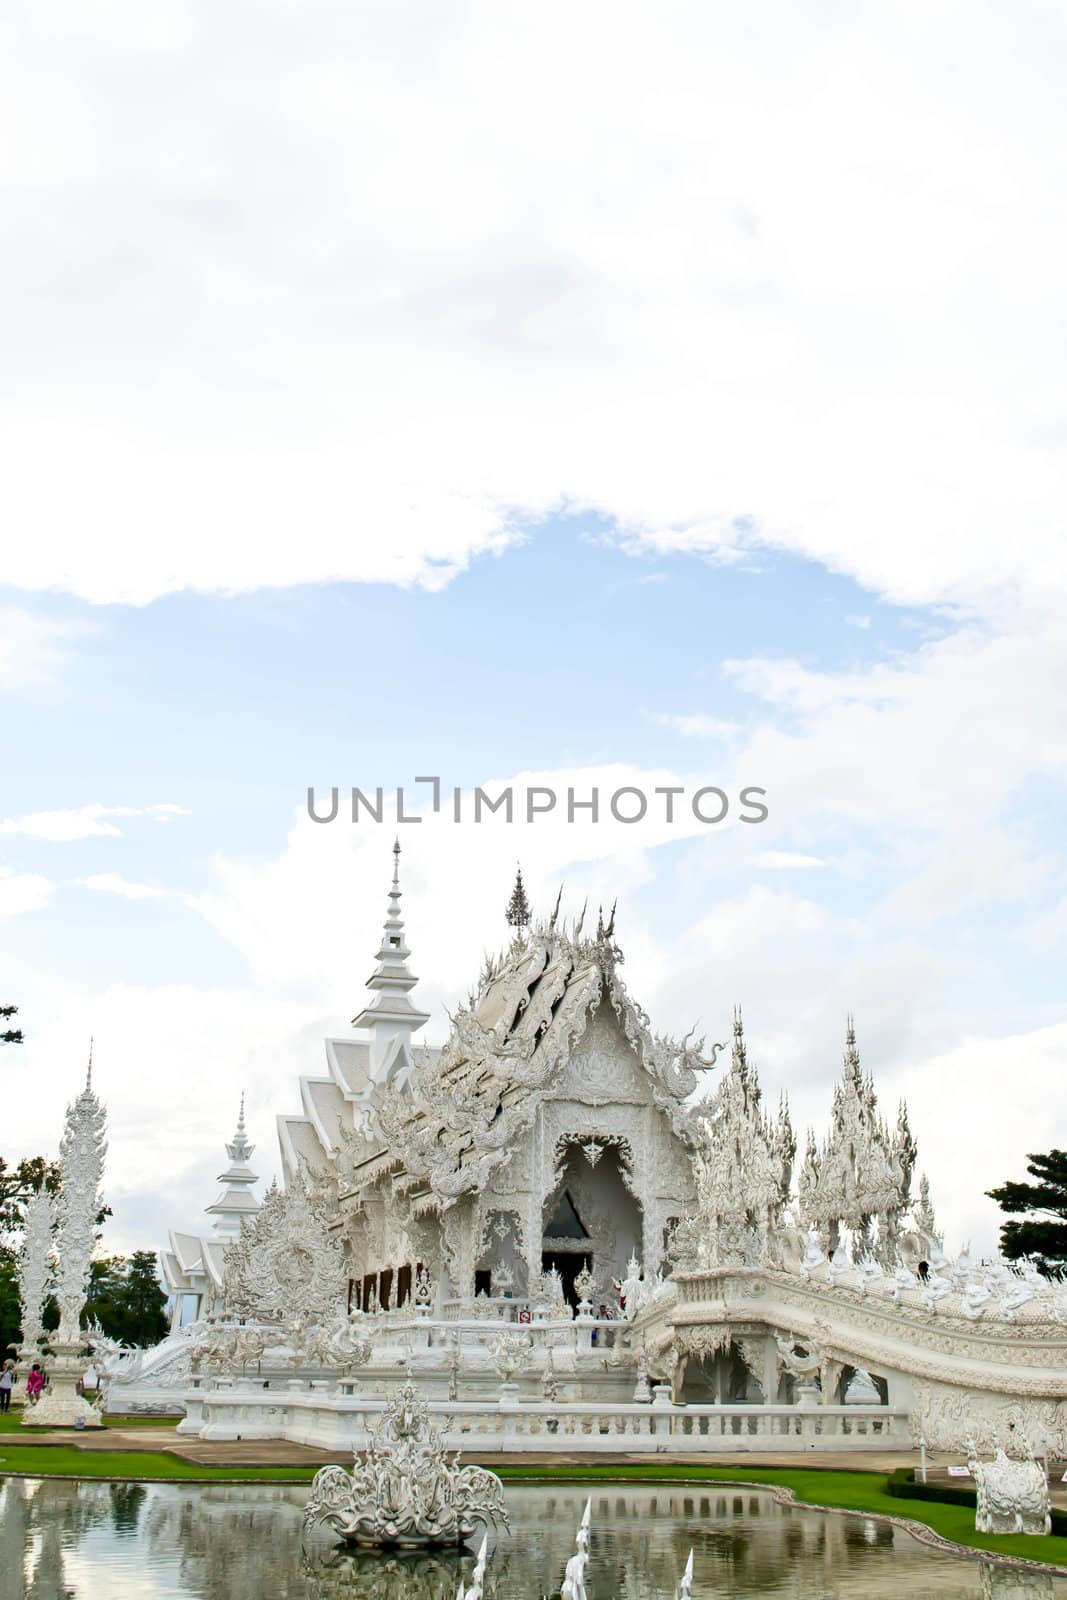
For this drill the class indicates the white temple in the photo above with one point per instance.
(193, 1264)
(570, 1234)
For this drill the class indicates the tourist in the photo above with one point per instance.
(923, 1271)
(7, 1381)
(34, 1383)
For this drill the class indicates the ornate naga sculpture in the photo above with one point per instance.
(404, 1492)
(1012, 1495)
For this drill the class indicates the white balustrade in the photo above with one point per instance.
(334, 1418)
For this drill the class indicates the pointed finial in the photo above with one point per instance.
(396, 862)
(518, 910)
(610, 929)
(555, 909)
(740, 1053)
(89, 1071)
(852, 1055)
(241, 1115)
(581, 920)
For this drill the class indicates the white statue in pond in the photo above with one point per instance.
(573, 1587)
(403, 1491)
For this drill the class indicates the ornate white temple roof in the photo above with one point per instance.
(446, 1114)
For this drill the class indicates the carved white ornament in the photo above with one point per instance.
(1013, 1496)
(403, 1491)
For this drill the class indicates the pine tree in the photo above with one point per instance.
(1043, 1235)
(144, 1300)
(125, 1297)
(518, 912)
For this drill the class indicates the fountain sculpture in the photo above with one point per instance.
(404, 1492)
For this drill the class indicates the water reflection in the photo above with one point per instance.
(66, 1541)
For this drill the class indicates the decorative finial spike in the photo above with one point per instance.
(555, 909)
(89, 1071)
(518, 909)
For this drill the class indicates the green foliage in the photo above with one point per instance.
(126, 1299)
(1043, 1233)
(10, 1035)
(18, 1184)
(10, 1325)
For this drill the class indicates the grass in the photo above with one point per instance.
(11, 1422)
(66, 1461)
(847, 1491)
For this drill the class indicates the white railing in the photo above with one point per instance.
(320, 1414)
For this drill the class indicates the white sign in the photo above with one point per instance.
(959, 1472)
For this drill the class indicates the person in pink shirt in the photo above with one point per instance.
(34, 1383)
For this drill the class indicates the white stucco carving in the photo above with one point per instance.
(81, 1165)
(403, 1491)
(1012, 1494)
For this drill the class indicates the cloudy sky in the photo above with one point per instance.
(554, 395)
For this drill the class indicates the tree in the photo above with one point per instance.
(17, 1184)
(1043, 1235)
(10, 1309)
(126, 1299)
(10, 1035)
(145, 1300)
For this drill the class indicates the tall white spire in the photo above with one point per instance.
(236, 1200)
(391, 1019)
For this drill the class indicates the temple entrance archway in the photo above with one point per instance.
(591, 1219)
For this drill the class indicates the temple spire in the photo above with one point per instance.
(89, 1069)
(236, 1200)
(518, 911)
(391, 1018)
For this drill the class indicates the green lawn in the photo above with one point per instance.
(11, 1422)
(852, 1491)
(50, 1461)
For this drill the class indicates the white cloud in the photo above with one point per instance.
(23, 891)
(981, 1107)
(170, 1062)
(788, 860)
(35, 651)
(697, 725)
(113, 883)
(83, 822)
(729, 278)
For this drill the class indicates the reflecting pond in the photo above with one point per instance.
(82, 1541)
